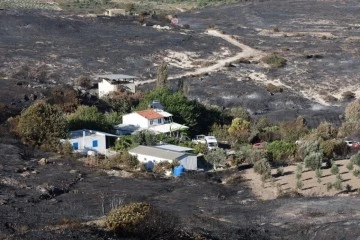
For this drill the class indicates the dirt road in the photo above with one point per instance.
(245, 53)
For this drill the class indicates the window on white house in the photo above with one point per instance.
(151, 122)
(160, 120)
(95, 143)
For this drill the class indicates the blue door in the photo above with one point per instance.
(76, 146)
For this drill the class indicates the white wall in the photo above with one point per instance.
(105, 88)
(189, 162)
(145, 158)
(135, 119)
(86, 144)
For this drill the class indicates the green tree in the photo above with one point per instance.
(145, 138)
(88, 118)
(215, 156)
(239, 130)
(311, 153)
(42, 124)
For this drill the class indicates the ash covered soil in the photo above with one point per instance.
(56, 200)
(320, 41)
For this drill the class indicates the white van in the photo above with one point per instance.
(210, 141)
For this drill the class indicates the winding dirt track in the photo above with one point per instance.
(245, 53)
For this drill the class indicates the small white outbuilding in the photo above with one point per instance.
(86, 140)
(151, 155)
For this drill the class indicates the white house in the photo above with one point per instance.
(155, 120)
(152, 155)
(114, 82)
(85, 140)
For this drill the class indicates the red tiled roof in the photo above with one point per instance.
(150, 114)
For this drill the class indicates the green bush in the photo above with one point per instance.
(313, 160)
(338, 183)
(318, 173)
(356, 173)
(280, 171)
(355, 159)
(126, 218)
(299, 169)
(274, 61)
(142, 221)
(329, 186)
(281, 151)
(334, 168)
(350, 166)
(123, 159)
(263, 168)
(255, 155)
(299, 184)
(43, 125)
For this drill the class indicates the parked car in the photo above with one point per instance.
(352, 144)
(209, 141)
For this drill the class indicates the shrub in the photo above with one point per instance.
(350, 166)
(273, 88)
(215, 156)
(293, 130)
(338, 183)
(281, 151)
(274, 61)
(276, 29)
(65, 97)
(124, 143)
(141, 220)
(313, 160)
(126, 218)
(334, 168)
(146, 138)
(356, 173)
(352, 111)
(312, 154)
(329, 186)
(162, 167)
(255, 155)
(355, 159)
(280, 171)
(123, 159)
(348, 95)
(84, 82)
(326, 131)
(43, 125)
(263, 168)
(318, 174)
(67, 148)
(299, 184)
(299, 169)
